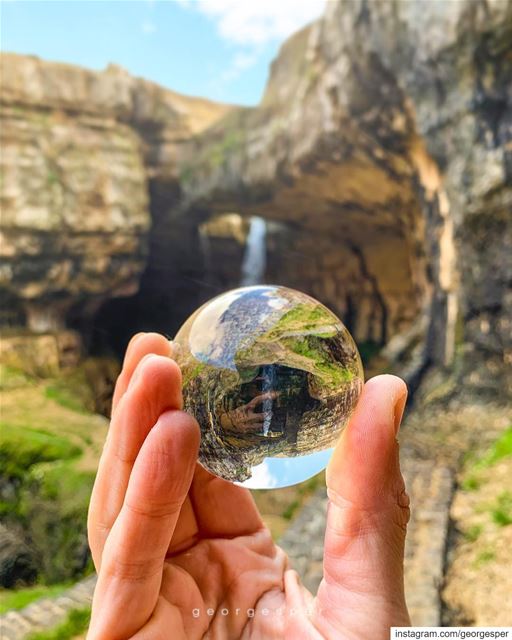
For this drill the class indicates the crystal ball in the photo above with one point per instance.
(272, 376)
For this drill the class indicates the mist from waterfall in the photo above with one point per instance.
(255, 256)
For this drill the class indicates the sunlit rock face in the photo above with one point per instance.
(272, 377)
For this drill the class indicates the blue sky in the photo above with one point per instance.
(220, 49)
(274, 473)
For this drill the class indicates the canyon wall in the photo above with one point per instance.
(380, 157)
(81, 153)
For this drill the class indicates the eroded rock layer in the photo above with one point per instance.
(80, 152)
(379, 157)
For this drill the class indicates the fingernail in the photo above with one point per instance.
(399, 411)
(136, 338)
(138, 369)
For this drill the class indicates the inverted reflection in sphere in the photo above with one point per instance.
(272, 376)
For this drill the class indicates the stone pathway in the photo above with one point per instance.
(46, 613)
(430, 487)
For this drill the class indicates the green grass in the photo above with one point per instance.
(61, 480)
(75, 624)
(304, 317)
(49, 449)
(290, 510)
(501, 448)
(22, 447)
(501, 512)
(331, 373)
(11, 378)
(64, 397)
(473, 533)
(19, 598)
(471, 483)
(191, 373)
(484, 557)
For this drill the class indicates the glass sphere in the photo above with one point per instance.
(272, 376)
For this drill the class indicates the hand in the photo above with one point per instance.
(181, 554)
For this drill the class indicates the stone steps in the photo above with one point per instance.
(46, 613)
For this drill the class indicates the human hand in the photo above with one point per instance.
(182, 554)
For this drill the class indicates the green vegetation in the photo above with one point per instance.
(290, 510)
(189, 373)
(49, 447)
(471, 483)
(19, 598)
(234, 139)
(64, 396)
(303, 332)
(473, 533)
(75, 624)
(485, 556)
(331, 373)
(499, 450)
(501, 511)
(306, 318)
(12, 378)
(20, 448)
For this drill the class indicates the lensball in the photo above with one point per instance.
(272, 376)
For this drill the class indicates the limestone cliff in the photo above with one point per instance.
(380, 157)
(79, 153)
(383, 145)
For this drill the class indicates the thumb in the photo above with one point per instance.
(368, 513)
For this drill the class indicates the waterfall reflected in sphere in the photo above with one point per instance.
(272, 377)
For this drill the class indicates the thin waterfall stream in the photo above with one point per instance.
(255, 255)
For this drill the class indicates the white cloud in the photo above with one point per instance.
(261, 477)
(256, 22)
(251, 24)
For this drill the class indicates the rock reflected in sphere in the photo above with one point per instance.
(272, 376)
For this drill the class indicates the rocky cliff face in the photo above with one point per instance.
(380, 158)
(383, 144)
(81, 151)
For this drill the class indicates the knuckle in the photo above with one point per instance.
(131, 570)
(154, 510)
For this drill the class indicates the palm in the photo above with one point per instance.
(228, 579)
(191, 549)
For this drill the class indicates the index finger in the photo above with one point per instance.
(140, 345)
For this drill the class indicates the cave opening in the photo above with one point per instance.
(373, 277)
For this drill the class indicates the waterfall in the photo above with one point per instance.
(254, 261)
(269, 380)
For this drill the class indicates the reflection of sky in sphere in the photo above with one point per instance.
(274, 473)
(214, 341)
